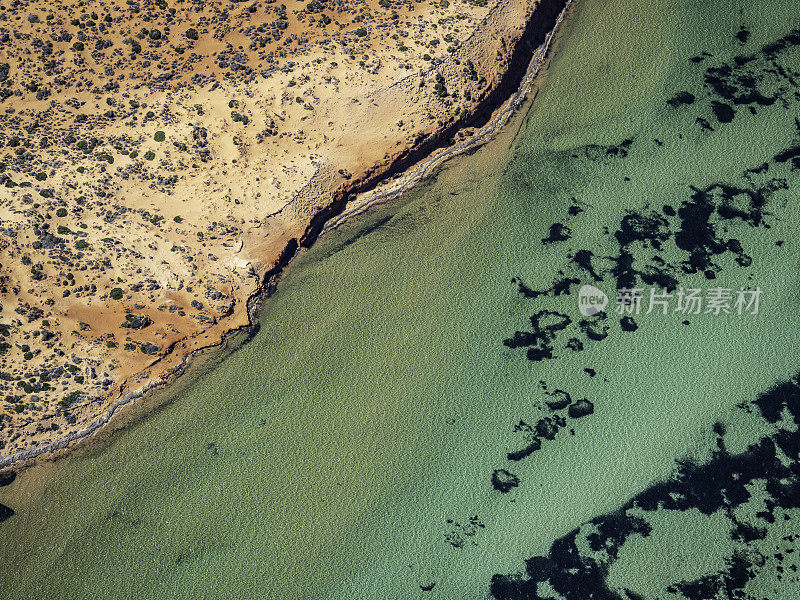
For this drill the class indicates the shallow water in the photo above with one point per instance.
(387, 430)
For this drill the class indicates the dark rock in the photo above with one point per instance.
(150, 348)
(136, 321)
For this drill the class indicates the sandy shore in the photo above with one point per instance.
(306, 214)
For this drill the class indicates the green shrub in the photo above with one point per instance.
(68, 400)
(77, 46)
(159, 136)
(361, 32)
(177, 219)
(191, 33)
(41, 177)
(149, 155)
(116, 293)
(61, 212)
(81, 244)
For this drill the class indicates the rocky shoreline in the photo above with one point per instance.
(399, 175)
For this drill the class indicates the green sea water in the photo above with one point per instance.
(348, 449)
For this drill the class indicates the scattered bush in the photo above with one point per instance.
(69, 399)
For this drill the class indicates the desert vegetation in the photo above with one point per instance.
(157, 157)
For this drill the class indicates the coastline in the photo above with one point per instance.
(422, 170)
(398, 176)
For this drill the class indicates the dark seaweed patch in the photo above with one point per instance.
(701, 57)
(461, 535)
(596, 152)
(581, 408)
(503, 481)
(6, 512)
(743, 35)
(558, 233)
(704, 124)
(7, 478)
(723, 112)
(681, 98)
(698, 229)
(545, 324)
(790, 154)
(721, 484)
(558, 399)
(628, 324)
(758, 79)
(427, 587)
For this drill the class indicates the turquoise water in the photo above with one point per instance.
(387, 432)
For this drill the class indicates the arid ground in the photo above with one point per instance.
(158, 158)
